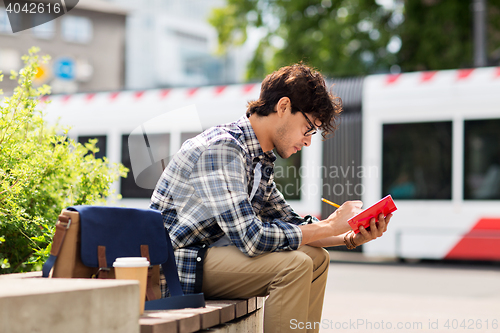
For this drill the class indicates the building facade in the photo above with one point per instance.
(171, 44)
(87, 47)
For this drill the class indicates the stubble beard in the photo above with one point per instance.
(281, 142)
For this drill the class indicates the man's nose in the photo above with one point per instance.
(307, 140)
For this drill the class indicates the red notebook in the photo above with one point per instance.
(384, 206)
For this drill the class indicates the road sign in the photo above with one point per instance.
(64, 68)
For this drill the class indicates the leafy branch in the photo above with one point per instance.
(41, 172)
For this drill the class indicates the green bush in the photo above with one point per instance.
(42, 171)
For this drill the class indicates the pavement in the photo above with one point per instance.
(386, 295)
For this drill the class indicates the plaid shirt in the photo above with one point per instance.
(204, 193)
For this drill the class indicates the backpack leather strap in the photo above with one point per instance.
(62, 225)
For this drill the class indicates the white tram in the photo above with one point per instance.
(435, 137)
(431, 139)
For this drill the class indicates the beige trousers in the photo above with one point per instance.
(294, 280)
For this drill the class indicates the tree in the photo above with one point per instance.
(42, 171)
(355, 37)
(339, 37)
(437, 34)
(493, 32)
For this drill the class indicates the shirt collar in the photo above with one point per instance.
(251, 141)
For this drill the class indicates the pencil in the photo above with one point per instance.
(330, 203)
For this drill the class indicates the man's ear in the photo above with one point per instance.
(282, 106)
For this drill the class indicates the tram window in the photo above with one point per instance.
(101, 143)
(416, 160)
(287, 176)
(159, 145)
(482, 159)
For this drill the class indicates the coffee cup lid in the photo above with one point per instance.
(131, 262)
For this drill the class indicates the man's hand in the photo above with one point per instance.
(338, 219)
(336, 224)
(377, 229)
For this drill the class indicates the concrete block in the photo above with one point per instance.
(68, 305)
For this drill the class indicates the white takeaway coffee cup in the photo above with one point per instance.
(134, 268)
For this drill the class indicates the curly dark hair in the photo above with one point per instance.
(306, 89)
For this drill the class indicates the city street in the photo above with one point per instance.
(418, 297)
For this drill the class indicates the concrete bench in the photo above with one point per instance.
(83, 305)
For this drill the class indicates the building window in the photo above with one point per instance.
(416, 160)
(136, 156)
(43, 30)
(76, 29)
(287, 176)
(482, 159)
(4, 21)
(201, 68)
(101, 143)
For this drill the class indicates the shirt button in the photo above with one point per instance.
(198, 259)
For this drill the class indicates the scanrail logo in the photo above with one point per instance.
(28, 14)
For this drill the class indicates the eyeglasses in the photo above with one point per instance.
(312, 130)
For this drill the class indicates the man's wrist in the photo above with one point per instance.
(335, 230)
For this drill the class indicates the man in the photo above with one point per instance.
(233, 233)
